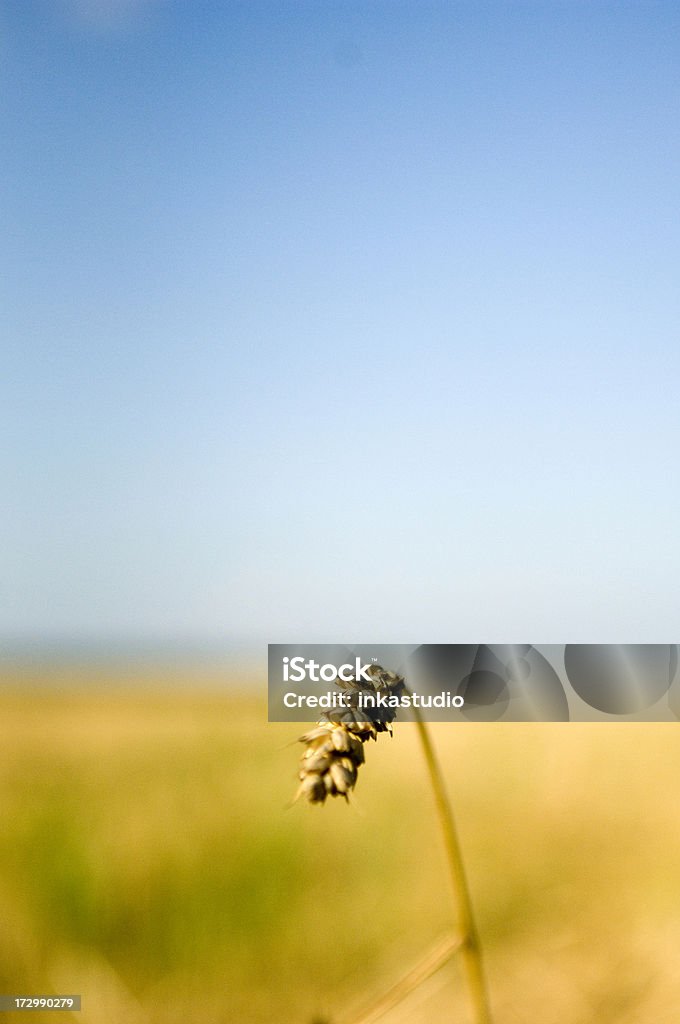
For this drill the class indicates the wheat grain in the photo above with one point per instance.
(334, 748)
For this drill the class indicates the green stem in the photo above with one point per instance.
(471, 950)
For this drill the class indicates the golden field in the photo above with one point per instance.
(151, 861)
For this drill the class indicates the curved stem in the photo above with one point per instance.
(435, 959)
(471, 950)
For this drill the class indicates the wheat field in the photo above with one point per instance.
(151, 861)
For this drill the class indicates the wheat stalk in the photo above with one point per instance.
(429, 965)
(334, 751)
(470, 948)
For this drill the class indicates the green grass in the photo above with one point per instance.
(149, 859)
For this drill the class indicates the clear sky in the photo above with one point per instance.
(347, 321)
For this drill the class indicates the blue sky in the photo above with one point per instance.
(340, 321)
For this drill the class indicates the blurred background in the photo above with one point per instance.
(151, 861)
(327, 322)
